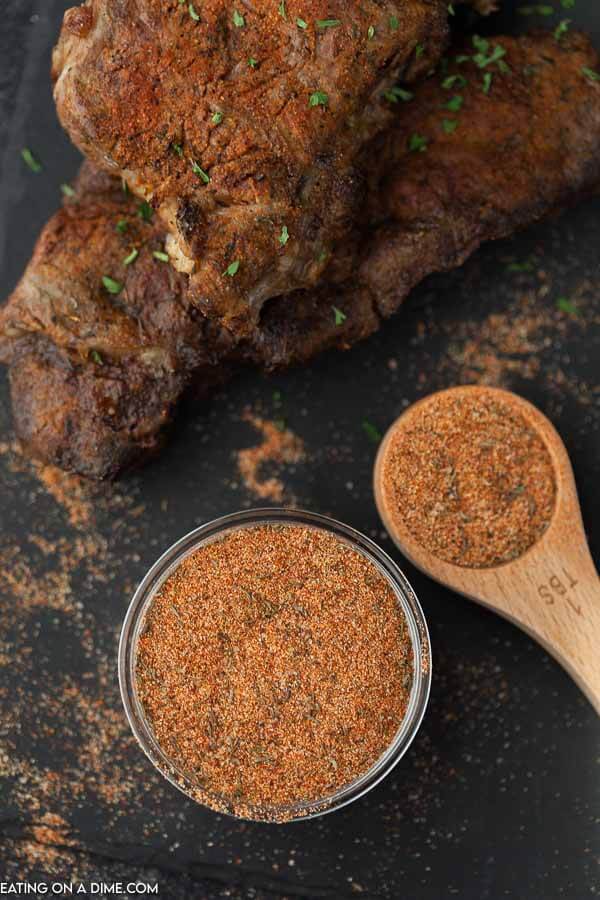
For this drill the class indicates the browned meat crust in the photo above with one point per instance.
(250, 166)
(95, 376)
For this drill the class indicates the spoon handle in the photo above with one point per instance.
(569, 588)
(553, 593)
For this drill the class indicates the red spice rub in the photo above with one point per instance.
(275, 667)
(469, 478)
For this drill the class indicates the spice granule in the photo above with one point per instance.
(469, 478)
(274, 667)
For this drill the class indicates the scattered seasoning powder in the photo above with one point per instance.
(279, 446)
(274, 667)
(70, 491)
(469, 478)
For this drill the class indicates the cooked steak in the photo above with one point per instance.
(241, 124)
(523, 143)
(96, 375)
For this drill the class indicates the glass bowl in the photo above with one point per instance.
(134, 623)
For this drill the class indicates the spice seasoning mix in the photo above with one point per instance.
(274, 667)
(469, 478)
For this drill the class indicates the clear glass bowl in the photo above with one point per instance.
(162, 568)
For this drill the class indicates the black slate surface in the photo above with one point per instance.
(499, 795)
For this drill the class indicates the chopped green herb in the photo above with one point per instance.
(282, 10)
(417, 143)
(122, 226)
(397, 93)
(339, 316)
(124, 186)
(238, 19)
(302, 24)
(453, 81)
(30, 160)
(96, 357)
(161, 255)
(371, 32)
(327, 23)
(536, 9)
(112, 286)
(561, 29)
(232, 268)
(177, 148)
(322, 256)
(455, 103)
(131, 257)
(419, 50)
(483, 58)
(567, 306)
(371, 431)
(252, 62)
(67, 190)
(318, 98)
(495, 57)
(462, 58)
(217, 118)
(197, 170)
(567, 4)
(194, 15)
(590, 74)
(145, 211)
(526, 266)
(487, 82)
(279, 424)
(449, 125)
(284, 236)
(451, 10)
(394, 23)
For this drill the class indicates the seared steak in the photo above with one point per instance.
(95, 375)
(241, 124)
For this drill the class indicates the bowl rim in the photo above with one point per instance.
(141, 601)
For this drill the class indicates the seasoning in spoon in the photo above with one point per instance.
(468, 477)
(274, 667)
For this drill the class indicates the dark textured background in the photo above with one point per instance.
(499, 795)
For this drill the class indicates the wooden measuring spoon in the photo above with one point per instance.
(552, 591)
